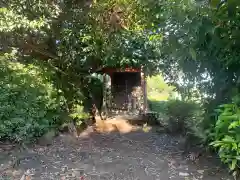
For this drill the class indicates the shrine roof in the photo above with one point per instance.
(125, 69)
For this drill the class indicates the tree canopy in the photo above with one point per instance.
(77, 37)
(195, 41)
(200, 46)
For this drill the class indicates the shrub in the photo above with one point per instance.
(29, 103)
(226, 135)
(159, 109)
(195, 129)
(79, 115)
(179, 112)
(157, 106)
(179, 116)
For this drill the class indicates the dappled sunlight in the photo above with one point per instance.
(114, 124)
(117, 124)
(131, 153)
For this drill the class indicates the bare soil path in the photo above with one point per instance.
(106, 155)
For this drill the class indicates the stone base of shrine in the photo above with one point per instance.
(151, 118)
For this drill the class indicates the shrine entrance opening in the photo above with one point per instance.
(123, 84)
(125, 90)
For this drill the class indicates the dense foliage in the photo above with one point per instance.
(226, 135)
(193, 42)
(201, 50)
(76, 39)
(177, 116)
(200, 57)
(96, 33)
(29, 103)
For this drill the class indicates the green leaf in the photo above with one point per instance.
(228, 139)
(216, 143)
(232, 7)
(215, 3)
(193, 53)
(233, 164)
(234, 124)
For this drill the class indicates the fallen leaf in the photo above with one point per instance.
(183, 174)
(28, 177)
(200, 171)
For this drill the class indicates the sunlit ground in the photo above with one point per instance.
(118, 124)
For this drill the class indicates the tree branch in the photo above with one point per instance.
(43, 52)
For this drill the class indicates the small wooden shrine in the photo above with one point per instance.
(125, 89)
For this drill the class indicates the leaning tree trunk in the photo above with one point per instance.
(97, 106)
(97, 100)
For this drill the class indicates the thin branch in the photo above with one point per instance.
(43, 52)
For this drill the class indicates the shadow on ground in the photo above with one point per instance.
(116, 151)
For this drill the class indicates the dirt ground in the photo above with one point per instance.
(117, 151)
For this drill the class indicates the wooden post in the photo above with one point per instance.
(104, 106)
(144, 87)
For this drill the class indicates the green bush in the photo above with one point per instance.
(29, 103)
(226, 135)
(157, 106)
(178, 116)
(179, 113)
(79, 115)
